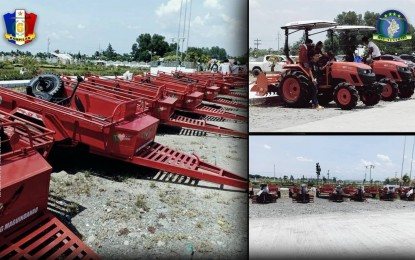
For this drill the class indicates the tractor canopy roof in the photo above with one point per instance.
(309, 25)
(353, 28)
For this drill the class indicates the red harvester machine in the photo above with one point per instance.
(403, 194)
(27, 229)
(388, 194)
(355, 194)
(110, 127)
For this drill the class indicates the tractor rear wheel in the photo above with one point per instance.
(345, 96)
(370, 99)
(293, 90)
(390, 91)
(406, 91)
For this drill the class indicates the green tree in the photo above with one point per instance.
(110, 53)
(387, 181)
(324, 179)
(406, 179)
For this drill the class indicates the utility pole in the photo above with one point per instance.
(48, 45)
(328, 175)
(412, 161)
(403, 156)
(274, 171)
(365, 174)
(257, 42)
(278, 39)
(370, 171)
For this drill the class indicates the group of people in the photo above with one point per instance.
(313, 59)
(225, 67)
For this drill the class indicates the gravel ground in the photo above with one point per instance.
(263, 118)
(321, 206)
(127, 211)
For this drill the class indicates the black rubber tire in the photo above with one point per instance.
(256, 72)
(353, 96)
(303, 98)
(43, 96)
(370, 100)
(406, 91)
(290, 194)
(279, 194)
(53, 87)
(394, 91)
(318, 194)
(325, 98)
(373, 195)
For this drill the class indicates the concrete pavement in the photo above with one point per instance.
(394, 117)
(374, 235)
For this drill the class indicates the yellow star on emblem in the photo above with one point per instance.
(394, 14)
(386, 15)
(390, 14)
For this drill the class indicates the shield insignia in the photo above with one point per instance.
(20, 27)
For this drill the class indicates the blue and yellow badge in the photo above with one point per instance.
(392, 26)
(20, 27)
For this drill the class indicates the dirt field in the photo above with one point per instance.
(126, 211)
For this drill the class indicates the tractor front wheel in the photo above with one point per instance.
(391, 90)
(406, 91)
(370, 99)
(345, 96)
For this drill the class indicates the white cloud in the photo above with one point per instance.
(365, 163)
(267, 147)
(170, 7)
(212, 4)
(303, 159)
(383, 157)
(81, 26)
(198, 21)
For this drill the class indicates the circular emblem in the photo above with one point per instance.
(392, 24)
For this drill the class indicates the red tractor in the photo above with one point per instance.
(301, 194)
(371, 191)
(388, 193)
(269, 193)
(407, 194)
(344, 82)
(389, 70)
(355, 194)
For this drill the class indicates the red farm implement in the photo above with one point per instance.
(226, 83)
(325, 190)
(27, 229)
(371, 191)
(269, 193)
(301, 194)
(204, 85)
(113, 128)
(188, 99)
(157, 103)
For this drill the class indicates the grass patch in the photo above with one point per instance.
(141, 202)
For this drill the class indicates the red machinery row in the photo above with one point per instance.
(269, 193)
(118, 123)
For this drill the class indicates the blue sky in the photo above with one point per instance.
(345, 156)
(88, 25)
(267, 16)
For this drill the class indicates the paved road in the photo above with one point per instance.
(334, 236)
(394, 117)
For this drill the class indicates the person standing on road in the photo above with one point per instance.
(303, 56)
(410, 192)
(315, 72)
(225, 67)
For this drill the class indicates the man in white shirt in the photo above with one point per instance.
(410, 192)
(225, 67)
(373, 49)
